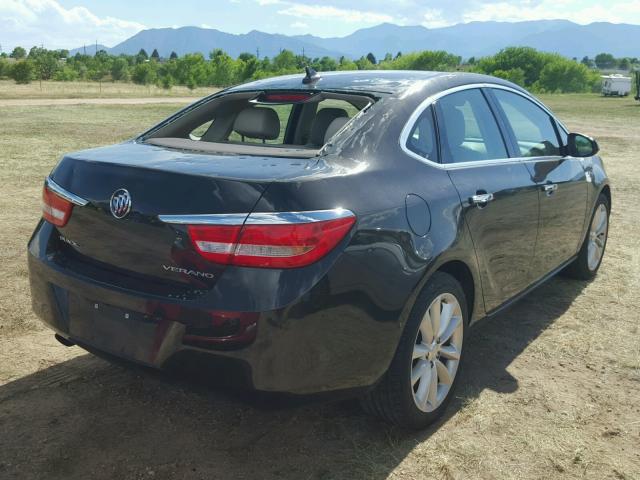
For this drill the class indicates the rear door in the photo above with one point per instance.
(499, 197)
(561, 180)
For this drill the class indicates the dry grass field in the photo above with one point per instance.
(51, 89)
(551, 388)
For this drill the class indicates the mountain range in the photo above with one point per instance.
(472, 39)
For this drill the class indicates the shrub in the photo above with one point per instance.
(18, 53)
(22, 71)
(120, 69)
(144, 73)
(427, 60)
(4, 68)
(66, 74)
(564, 76)
(515, 75)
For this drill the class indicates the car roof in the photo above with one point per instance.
(373, 81)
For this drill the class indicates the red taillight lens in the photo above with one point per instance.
(270, 245)
(289, 246)
(55, 209)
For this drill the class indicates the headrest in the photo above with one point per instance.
(258, 122)
(321, 122)
(456, 127)
(334, 126)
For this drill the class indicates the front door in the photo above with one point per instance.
(498, 195)
(562, 182)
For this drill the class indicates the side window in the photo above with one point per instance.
(198, 132)
(422, 139)
(532, 126)
(468, 129)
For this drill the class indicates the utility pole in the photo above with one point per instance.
(41, 72)
(258, 53)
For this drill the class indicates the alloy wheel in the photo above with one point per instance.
(437, 351)
(597, 237)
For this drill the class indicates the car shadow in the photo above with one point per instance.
(89, 418)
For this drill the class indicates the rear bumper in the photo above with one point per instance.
(330, 338)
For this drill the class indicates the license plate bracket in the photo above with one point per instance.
(123, 333)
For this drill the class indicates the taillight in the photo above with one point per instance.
(215, 242)
(273, 240)
(55, 209)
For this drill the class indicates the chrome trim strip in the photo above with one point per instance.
(496, 161)
(258, 218)
(276, 218)
(67, 195)
(406, 130)
(215, 219)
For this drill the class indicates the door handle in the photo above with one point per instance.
(549, 188)
(480, 200)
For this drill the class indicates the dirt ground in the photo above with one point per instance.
(551, 388)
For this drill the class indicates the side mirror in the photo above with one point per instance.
(581, 146)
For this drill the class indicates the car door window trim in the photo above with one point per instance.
(406, 130)
(509, 128)
(439, 114)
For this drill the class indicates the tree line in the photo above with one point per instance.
(538, 71)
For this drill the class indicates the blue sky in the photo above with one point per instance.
(72, 23)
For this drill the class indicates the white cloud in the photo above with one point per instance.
(327, 12)
(434, 18)
(299, 25)
(575, 10)
(35, 22)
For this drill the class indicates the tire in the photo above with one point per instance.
(584, 267)
(395, 398)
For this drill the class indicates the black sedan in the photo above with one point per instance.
(334, 232)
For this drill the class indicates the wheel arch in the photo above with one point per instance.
(463, 275)
(606, 191)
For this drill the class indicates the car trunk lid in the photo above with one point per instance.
(159, 181)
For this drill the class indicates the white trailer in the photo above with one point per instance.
(616, 85)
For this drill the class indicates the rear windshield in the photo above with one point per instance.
(295, 123)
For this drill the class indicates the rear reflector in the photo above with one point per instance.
(223, 329)
(271, 244)
(55, 209)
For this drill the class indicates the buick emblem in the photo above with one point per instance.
(120, 203)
